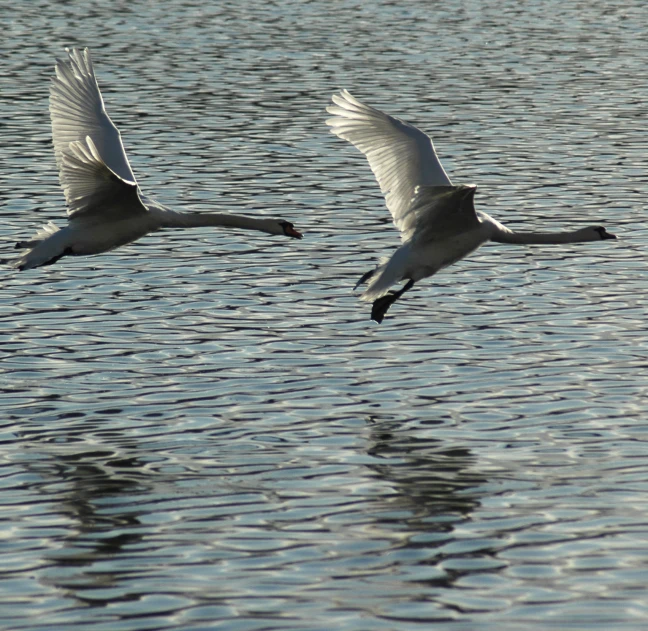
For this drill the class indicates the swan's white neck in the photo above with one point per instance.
(171, 219)
(539, 238)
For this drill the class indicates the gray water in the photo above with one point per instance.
(204, 430)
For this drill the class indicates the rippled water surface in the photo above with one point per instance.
(203, 430)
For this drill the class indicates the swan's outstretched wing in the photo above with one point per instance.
(401, 156)
(441, 212)
(77, 112)
(92, 188)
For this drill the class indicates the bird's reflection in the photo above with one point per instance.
(90, 487)
(432, 479)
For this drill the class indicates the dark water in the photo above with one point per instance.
(204, 430)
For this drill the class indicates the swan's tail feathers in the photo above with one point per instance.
(46, 231)
(382, 279)
(45, 248)
(390, 272)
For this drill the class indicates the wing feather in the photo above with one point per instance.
(441, 212)
(401, 156)
(77, 112)
(92, 188)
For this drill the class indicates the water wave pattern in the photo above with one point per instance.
(203, 430)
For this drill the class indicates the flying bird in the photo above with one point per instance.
(106, 208)
(437, 221)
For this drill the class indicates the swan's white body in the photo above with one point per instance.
(106, 208)
(438, 221)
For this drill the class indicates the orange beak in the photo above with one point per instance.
(291, 232)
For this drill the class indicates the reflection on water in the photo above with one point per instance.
(203, 430)
(87, 559)
(431, 479)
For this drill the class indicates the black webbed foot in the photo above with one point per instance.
(381, 305)
(364, 278)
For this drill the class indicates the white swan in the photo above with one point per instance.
(438, 222)
(106, 208)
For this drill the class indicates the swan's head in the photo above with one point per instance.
(591, 233)
(289, 230)
(602, 233)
